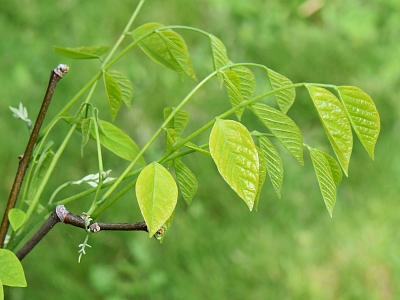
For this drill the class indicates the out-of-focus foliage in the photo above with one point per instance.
(290, 248)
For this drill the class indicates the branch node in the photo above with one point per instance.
(94, 227)
(61, 70)
(61, 212)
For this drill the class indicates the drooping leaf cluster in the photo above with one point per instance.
(244, 159)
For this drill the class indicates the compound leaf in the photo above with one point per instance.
(157, 194)
(285, 98)
(187, 181)
(82, 52)
(11, 271)
(325, 178)
(233, 151)
(273, 162)
(335, 123)
(364, 116)
(283, 127)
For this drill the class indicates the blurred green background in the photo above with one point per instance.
(216, 249)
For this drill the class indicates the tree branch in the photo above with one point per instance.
(55, 77)
(61, 214)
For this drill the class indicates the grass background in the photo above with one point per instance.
(216, 249)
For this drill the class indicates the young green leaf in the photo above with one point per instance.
(165, 47)
(262, 166)
(125, 85)
(82, 52)
(335, 168)
(285, 98)
(233, 151)
(118, 142)
(325, 179)
(283, 127)
(232, 83)
(170, 140)
(178, 122)
(187, 181)
(335, 122)
(219, 55)
(114, 94)
(247, 81)
(364, 116)
(86, 126)
(157, 194)
(17, 218)
(274, 163)
(11, 271)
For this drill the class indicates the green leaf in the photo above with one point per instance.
(114, 94)
(165, 47)
(118, 142)
(233, 151)
(179, 120)
(325, 179)
(86, 128)
(1, 291)
(125, 86)
(285, 98)
(232, 83)
(170, 140)
(41, 168)
(262, 166)
(17, 218)
(335, 168)
(274, 163)
(247, 81)
(335, 122)
(157, 194)
(187, 181)
(11, 271)
(364, 116)
(82, 52)
(283, 127)
(219, 55)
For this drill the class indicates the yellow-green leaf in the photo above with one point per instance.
(178, 121)
(262, 167)
(219, 55)
(82, 52)
(114, 94)
(157, 194)
(233, 151)
(187, 181)
(335, 122)
(232, 83)
(325, 179)
(11, 271)
(17, 218)
(165, 47)
(285, 98)
(125, 86)
(283, 127)
(273, 162)
(364, 116)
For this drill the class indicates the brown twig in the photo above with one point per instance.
(55, 77)
(61, 214)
